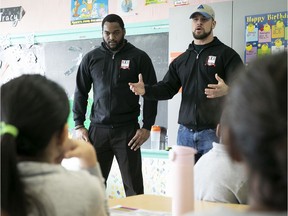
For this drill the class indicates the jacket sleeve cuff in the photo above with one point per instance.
(147, 127)
(78, 127)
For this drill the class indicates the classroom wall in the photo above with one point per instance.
(47, 15)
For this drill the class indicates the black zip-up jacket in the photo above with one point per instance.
(114, 104)
(193, 72)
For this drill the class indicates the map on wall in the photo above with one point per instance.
(88, 11)
(265, 34)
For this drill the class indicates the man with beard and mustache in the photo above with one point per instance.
(114, 128)
(203, 71)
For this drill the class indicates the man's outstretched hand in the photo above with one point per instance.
(138, 88)
(217, 90)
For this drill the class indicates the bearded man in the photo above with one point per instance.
(114, 129)
(203, 72)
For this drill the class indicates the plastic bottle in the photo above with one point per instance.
(166, 144)
(182, 158)
(163, 135)
(155, 137)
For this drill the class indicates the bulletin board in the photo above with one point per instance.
(265, 34)
(243, 9)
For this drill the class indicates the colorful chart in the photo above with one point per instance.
(265, 34)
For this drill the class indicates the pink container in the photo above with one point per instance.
(182, 158)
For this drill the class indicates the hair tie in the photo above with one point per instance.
(8, 129)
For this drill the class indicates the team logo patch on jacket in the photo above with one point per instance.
(211, 61)
(125, 64)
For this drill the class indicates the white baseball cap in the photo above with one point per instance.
(204, 10)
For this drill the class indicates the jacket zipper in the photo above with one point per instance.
(197, 89)
(111, 82)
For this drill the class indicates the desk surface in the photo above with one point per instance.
(163, 203)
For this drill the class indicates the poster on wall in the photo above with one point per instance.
(265, 34)
(12, 14)
(127, 7)
(148, 2)
(88, 11)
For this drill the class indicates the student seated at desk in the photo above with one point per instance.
(254, 128)
(34, 140)
(219, 179)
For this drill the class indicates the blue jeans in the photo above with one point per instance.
(199, 140)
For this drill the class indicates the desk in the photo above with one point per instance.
(163, 203)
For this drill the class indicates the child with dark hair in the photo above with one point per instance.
(254, 128)
(34, 140)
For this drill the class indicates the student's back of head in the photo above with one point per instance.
(36, 108)
(255, 129)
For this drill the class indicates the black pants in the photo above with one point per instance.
(114, 141)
